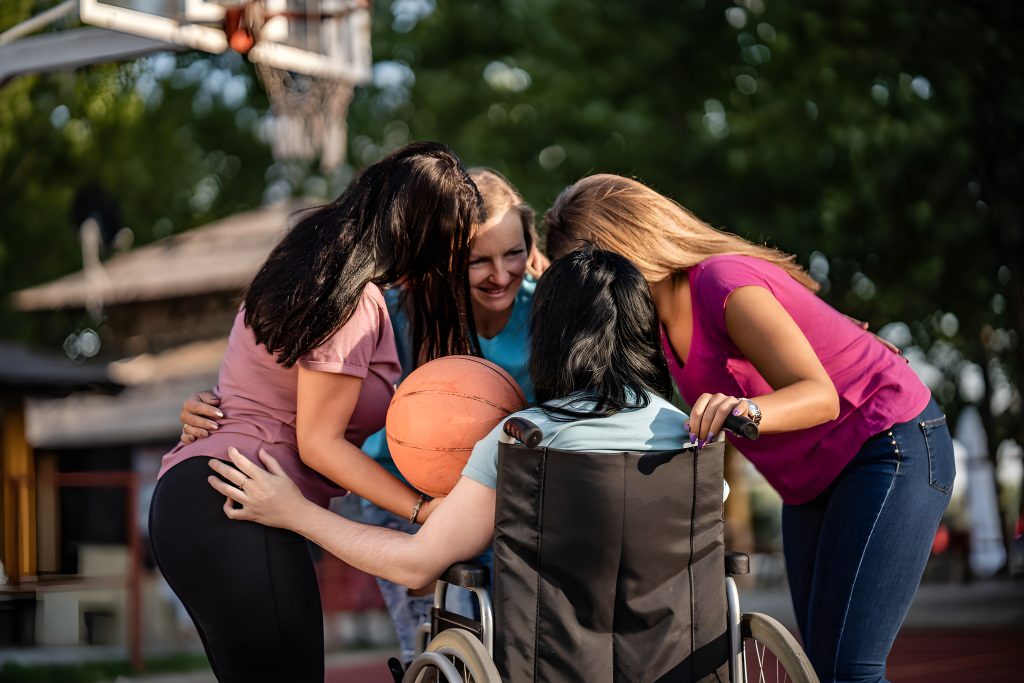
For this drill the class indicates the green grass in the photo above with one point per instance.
(97, 672)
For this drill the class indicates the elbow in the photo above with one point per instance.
(309, 454)
(417, 576)
(422, 564)
(831, 406)
(314, 449)
(419, 582)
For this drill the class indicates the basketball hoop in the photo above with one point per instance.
(309, 116)
(309, 103)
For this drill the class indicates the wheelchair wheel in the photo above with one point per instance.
(453, 656)
(771, 653)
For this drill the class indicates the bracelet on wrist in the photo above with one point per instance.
(416, 508)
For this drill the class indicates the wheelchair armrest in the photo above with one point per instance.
(737, 564)
(467, 575)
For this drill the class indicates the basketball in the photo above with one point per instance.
(440, 412)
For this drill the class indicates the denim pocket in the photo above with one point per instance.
(941, 468)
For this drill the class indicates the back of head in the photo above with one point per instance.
(406, 217)
(658, 235)
(595, 330)
(500, 196)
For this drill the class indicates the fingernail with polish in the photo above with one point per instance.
(693, 438)
(736, 411)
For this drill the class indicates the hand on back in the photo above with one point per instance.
(265, 495)
(199, 415)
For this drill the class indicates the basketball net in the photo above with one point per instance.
(308, 112)
(309, 116)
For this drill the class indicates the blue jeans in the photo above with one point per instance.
(409, 611)
(856, 553)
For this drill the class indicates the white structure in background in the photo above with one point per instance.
(309, 54)
(987, 552)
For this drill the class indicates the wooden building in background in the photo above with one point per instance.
(167, 307)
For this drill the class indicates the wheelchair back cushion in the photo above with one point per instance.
(608, 571)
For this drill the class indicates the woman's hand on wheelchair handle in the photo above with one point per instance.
(198, 416)
(267, 496)
(708, 415)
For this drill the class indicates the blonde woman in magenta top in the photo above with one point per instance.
(308, 373)
(850, 437)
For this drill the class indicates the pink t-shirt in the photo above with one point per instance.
(876, 387)
(258, 395)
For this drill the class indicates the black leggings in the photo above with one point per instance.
(250, 589)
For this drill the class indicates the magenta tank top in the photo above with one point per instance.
(258, 395)
(876, 387)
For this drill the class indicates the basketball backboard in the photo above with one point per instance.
(322, 38)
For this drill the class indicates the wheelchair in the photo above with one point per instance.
(608, 567)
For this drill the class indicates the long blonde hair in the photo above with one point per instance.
(658, 235)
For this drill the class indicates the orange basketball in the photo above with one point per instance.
(439, 413)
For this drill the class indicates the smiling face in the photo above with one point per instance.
(497, 262)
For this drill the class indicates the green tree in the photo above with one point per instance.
(173, 139)
(880, 143)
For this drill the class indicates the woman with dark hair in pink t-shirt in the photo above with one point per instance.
(851, 438)
(308, 373)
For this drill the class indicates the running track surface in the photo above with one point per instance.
(919, 656)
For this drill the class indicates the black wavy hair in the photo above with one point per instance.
(595, 331)
(406, 218)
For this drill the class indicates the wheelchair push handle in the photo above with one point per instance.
(743, 426)
(524, 431)
(529, 434)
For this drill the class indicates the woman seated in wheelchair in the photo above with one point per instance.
(596, 364)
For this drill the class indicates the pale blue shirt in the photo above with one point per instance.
(658, 427)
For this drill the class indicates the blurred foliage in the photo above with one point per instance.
(880, 142)
(173, 139)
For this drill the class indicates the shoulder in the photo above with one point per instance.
(735, 270)
(659, 404)
(371, 311)
(373, 295)
(354, 344)
(657, 413)
(524, 299)
(528, 287)
(714, 280)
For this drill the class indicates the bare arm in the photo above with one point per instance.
(804, 395)
(459, 530)
(325, 404)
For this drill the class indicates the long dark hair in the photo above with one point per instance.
(595, 331)
(407, 217)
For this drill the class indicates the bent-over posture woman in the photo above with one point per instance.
(308, 374)
(851, 438)
(504, 262)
